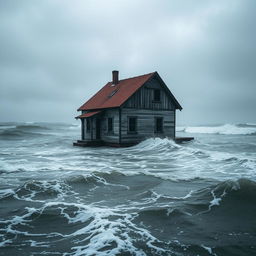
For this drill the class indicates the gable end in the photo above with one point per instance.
(153, 94)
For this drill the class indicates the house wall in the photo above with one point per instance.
(144, 98)
(146, 124)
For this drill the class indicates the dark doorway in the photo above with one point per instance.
(98, 129)
(82, 127)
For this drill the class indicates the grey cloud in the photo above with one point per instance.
(59, 53)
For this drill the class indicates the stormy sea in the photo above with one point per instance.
(155, 198)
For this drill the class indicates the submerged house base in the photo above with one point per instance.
(183, 139)
(83, 143)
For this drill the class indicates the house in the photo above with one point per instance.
(125, 112)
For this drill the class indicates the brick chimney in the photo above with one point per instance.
(115, 77)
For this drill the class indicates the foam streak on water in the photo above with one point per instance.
(156, 198)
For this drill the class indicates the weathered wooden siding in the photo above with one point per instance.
(112, 137)
(146, 124)
(144, 98)
(90, 135)
(84, 134)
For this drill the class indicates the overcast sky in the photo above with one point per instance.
(56, 54)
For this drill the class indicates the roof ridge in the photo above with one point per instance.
(135, 76)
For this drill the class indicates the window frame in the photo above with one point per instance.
(135, 125)
(156, 125)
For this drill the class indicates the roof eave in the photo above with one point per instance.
(99, 108)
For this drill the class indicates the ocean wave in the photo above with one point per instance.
(239, 193)
(156, 228)
(22, 130)
(14, 134)
(218, 199)
(244, 189)
(37, 191)
(98, 179)
(247, 125)
(208, 197)
(161, 212)
(31, 127)
(156, 143)
(195, 156)
(227, 129)
(97, 230)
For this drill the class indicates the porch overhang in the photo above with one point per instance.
(89, 114)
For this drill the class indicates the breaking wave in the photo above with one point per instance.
(156, 144)
(227, 129)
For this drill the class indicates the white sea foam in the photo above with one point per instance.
(208, 249)
(38, 244)
(5, 242)
(6, 192)
(251, 124)
(227, 129)
(5, 127)
(107, 227)
(216, 200)
(156, 143)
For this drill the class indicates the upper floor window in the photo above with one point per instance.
(158, 124)
(157, 95)
(110, 124)
(132, 124)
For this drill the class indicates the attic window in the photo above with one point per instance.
(112, 93)
(157, 95)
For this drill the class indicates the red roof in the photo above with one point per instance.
(111, 96)
(85, 115)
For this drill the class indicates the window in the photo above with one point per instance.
(110, 124)
(157, 95)
(132, 124)
(88, 125)
(158, 124)
(112, 93)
